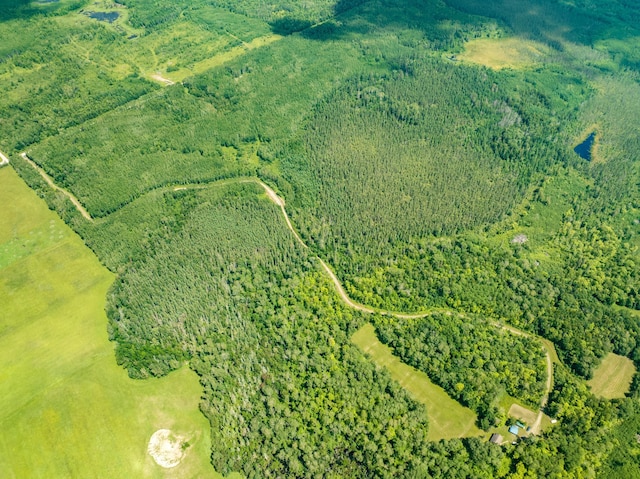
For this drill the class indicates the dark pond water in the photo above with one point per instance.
(584, 148)
(104, 16)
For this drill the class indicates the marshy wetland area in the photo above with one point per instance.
(346, 239)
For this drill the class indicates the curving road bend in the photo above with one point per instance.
(278, 201)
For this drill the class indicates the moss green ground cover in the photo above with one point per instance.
(612, 378)
(447, 418)
(66, 408)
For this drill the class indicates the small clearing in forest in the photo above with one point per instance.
(499, 53)
(527, 416)
(613, 377)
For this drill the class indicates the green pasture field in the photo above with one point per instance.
(447, 418)
(612, 378)
(66, 408)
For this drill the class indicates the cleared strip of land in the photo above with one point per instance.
(51, 183)
(170, 78)
(447, 418)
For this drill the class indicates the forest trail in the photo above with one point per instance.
(535, 428)
(50, 182)
(278, 201)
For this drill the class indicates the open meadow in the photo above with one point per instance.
(613, 377)
(498, 53)
(66, 408)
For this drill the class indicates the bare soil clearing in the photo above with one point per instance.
(3, 159)
(161, 79)
(527, 416)
(166, 448)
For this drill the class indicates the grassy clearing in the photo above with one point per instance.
(499, 53)
(447, 418)
(612, 378)
(66, 408)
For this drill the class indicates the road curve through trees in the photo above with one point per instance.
(278, 201)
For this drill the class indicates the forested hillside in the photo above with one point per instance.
(438, 182)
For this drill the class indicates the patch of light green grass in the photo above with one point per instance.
(499, 53)
(447, 418)
(613, 377)
(66, 408)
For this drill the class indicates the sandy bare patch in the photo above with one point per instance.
(166, 448)
(161, 79)
(522, 413)
(520, 239)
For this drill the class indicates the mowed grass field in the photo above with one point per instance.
(613, 377)
(66, 409)
(447, 417)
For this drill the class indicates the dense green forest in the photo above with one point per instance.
(237, 297)
(429, 185)
(451, 147)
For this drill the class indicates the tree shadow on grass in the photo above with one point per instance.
(444, 24)
(23, 9)
(553, 22)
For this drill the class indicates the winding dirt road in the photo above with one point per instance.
(535, 428)
(277, 200)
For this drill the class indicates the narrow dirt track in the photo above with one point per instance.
(278, 201)
(50, 182)
(535, 428)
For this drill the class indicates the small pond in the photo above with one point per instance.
(584, 148)
(104, 16)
